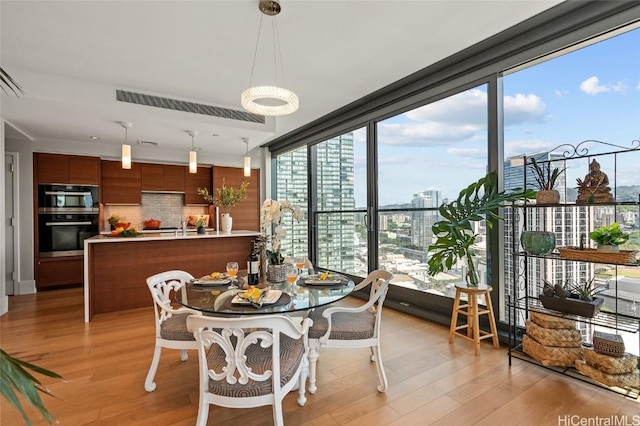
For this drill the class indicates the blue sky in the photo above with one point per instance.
(590, 93)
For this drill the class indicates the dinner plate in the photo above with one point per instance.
(328, 281)
(272, 296)
(207, 280)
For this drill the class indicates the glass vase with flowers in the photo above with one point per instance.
(269, 243)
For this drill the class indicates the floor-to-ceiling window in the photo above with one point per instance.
(425, 157)
(443, 130)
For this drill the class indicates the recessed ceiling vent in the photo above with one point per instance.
(192, 107)
(152, 143)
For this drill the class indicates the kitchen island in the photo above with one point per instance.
(116, 268)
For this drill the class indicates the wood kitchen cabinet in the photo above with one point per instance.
(67, 169)
(193, 181)
(53, 272)
(120, 186)
(246, 215)
(162, 177)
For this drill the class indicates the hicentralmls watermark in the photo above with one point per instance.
(621, 420)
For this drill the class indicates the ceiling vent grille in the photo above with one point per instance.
(192, 107)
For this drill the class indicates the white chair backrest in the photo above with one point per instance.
(235, 336)
(379, 281)
(161, 285)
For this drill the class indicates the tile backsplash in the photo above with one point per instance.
(169, 209)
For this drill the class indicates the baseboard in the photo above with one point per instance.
(25, 287)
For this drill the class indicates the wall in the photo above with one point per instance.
(4, 300)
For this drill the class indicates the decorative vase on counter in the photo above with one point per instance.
(226, 223)
(276, 273)
(201, 230)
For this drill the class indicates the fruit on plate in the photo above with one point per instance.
(324, 276)
(216, 275)
(252, 294)
(152, 224)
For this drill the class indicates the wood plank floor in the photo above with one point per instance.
(431, 382)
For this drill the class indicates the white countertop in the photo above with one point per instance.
(170, 235)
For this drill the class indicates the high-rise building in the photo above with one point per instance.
(422, 221)
(334, 177)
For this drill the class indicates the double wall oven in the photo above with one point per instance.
(67, 215)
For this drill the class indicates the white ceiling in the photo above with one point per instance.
(71, 56)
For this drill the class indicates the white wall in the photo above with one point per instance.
(4, 299)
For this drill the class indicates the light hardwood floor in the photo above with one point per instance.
(431, 382)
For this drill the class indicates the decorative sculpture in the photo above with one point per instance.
(595, 186)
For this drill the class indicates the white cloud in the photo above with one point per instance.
(468, 152)
(591, 86)
(561, 93)
(521, 108)
(429, 133)
(469, 107)
(519, 147)
(638, 86)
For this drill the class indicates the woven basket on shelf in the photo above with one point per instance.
(620, 380)
(551, 321)
(550, 356)
(611, 365)
(623, 257)
(554, 336)
(608, 344)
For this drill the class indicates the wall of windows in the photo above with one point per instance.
(373, 191)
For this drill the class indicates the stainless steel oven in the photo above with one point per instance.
(67, 215)
(67, 199)
(63, 234)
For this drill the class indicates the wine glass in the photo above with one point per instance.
(232, 271)
(300, 262)
(292, 273)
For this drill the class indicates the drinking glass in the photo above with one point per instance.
(300, 262)
(292, 273)
(232, 271)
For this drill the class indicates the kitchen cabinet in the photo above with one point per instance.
(53, 272)
(202, 179)
(120, 186)
(67, 169)
(162, 177)
(246, 215)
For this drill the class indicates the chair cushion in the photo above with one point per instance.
(259, 360)
(175, 328)
(344, 325)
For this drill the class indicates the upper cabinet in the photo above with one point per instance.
(121, 186)
(162, 177)
(202, 179)
(67, 169)
(246, 215)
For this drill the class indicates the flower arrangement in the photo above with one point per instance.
(271, 215)
(226, 196)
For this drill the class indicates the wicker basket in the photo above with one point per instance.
(554, 336)
(551, 321)
(550, 356)
(608, 344)
(611, 365)
(629, 380)
(623, 257)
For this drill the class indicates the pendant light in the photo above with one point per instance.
(126, 148)
(193, 160)
(247, 159)
(269, 99)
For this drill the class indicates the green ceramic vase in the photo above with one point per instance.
(538, 242)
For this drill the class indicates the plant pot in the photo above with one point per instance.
(608, 248)
(538, 242)
(201, 230)
(276, 273)
(551, 196)
(226, 223)
(572, 306)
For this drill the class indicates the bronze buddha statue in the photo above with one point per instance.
(595, 186)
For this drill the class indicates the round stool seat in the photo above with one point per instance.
(472, 312)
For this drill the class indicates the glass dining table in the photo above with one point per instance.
(222, 299)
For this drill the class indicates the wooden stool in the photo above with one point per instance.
(471, 311)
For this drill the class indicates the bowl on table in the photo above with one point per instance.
(152, 224)
(123, 225)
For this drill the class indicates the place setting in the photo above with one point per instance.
(256, 297)
(324, 279)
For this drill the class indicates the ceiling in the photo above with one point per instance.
(70, 57)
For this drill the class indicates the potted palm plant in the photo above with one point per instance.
(546, 179)
(455, 233)
(226, 197)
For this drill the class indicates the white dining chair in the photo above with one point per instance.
(250, 361)
(171, 323)
(351, 327)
